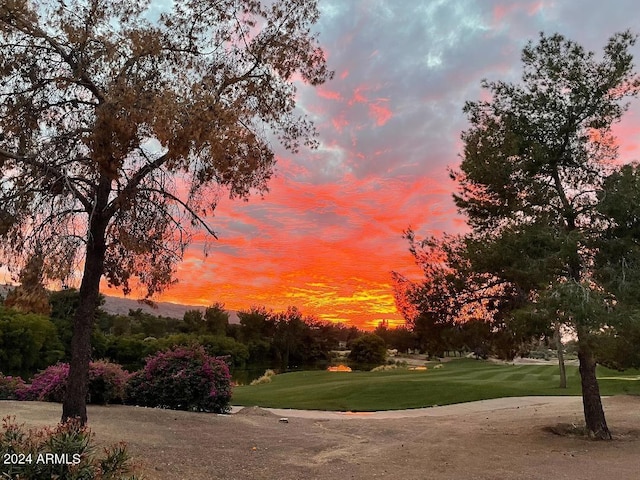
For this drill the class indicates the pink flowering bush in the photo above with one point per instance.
(183, 378)
(10, 387)
(107, 383)
(49, 385)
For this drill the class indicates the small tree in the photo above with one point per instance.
(193, 321)
(116, 133)
(369, 349)
(216, 319)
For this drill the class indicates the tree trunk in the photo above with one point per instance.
(559, 347)
(591, 401)
(75, 399)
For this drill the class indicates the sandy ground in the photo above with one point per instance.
(494, 439)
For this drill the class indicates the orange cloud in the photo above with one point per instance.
(328, 249)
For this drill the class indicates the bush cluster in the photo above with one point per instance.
(183, 378)
(65, 452)
(10, 386)
(107, 383)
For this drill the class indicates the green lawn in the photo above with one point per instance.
(457, 381)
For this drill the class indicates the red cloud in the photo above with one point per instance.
(339, 123)
(380, 113)
(328, 94)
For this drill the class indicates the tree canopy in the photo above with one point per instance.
(118, 134)
(107, 114)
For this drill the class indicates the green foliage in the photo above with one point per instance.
(618, 257)
(534, 157)
(256, 324)
(64, 452)
(618, 346)
(287, 339)
(130, 351)
(235, 352)
(63, 305)
(10, 387)
(400, 338)
(214, 321)
(147, 324)
(215, 345)
(430, 333)
(193, 321)
(28, 342)
(184, 378)
(368, 350)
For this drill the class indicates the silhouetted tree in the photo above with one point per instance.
(368, 350)
(216, 319)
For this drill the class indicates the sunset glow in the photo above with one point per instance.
(328, 234)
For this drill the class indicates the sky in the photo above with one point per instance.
(328, 234)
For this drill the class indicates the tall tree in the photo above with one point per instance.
(534, 159)
(30, 296)
(216, 319)
(118, 134)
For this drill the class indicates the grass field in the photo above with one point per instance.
(457, 381)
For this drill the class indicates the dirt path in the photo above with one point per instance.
(496, 439)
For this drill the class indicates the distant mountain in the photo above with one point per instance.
(121, 306)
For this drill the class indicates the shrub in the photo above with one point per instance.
(385, 368)
(107, 383)
(10, 386)
(183, 378)
(369, 349)
(266, 378)
(65, 452)
(48, 385)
